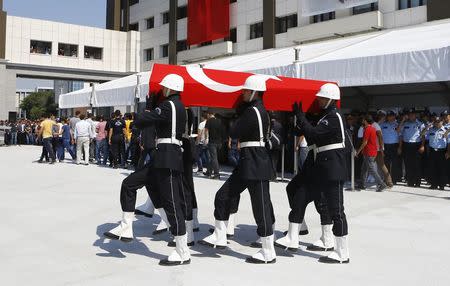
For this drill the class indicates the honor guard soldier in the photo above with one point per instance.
(253, 172)
(389, 129)
(410, 147)
(438, 139)
(325, 172)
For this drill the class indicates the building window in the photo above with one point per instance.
(149, 55)
(165, 51)
(40, 47)
(151, 23)
(282, 24)
(182, 45)
(181, 12)
(134, 27)
(132, 2)
(324, 17)
(93, 53)
(233, 36)
(405, 4)
(165, 17)
(256, 30)
(67, 50)
(365, 8)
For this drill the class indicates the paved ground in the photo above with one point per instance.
(52, 218)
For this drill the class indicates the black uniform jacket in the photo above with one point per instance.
(328, 165)
(167, 156)
(254, 162)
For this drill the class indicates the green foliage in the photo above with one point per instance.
(37, 104)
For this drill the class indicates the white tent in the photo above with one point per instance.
(408, 55)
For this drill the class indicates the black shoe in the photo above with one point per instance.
(313, 247)
(115, 237)
(442, 188)
(40, 161)
(381, 188)
(215, 177)
(52, 162)
(166, 262)
(115, 167)
(156, 232)
(211, 230)
(361, 188)
(326, 259)
(432, 187)
(139, 212)
(197, 229)
(256, 244)
(205, 243)
(207, 174)
(301, 232)
(257, 261)
(173, 243)
(290, 249)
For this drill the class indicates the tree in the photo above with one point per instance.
(37, 104)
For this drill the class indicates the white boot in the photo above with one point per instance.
(290, 241)
(180, 255)
(189, 233)
(230, 226)
(266, 254)
(195, 217)
(326, 241)
(147, 209)
(124, 231)
(164, 224)
(257, 243)
(340, 253)
(303, 228)
(218, 239)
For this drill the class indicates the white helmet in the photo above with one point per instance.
(255, 83)
(173, 82)
(329, 90)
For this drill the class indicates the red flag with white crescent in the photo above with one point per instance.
(222, 89)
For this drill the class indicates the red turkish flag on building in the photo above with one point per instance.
(208, 20)
(222, 89)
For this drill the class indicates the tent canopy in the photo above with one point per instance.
(407, 55)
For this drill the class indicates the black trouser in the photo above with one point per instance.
(189, 197)
(275, 156)
(213, 166)
(147, 151)
(393, 161)
(412, 163)
(47, 143)
(118, 149)
(437, 167)
(134, 182)
(300, 194)
(259, 196)
(170, 189)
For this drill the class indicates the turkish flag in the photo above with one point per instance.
(222, 89)
(208, 20)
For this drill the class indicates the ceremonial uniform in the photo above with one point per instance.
(410, 136)
(391, 157)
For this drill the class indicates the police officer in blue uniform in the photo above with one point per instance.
(253, 172)
(446, 121)
(389, 129)
(437, 137)
(411, 148)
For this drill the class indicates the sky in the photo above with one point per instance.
(80, 12)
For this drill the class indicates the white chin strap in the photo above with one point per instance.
(328, 103)
(252, 96)
(167, 93)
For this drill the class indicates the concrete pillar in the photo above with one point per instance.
(7, 91)
(173, 32)
(438, 9)
(269, 24)
(2, 31)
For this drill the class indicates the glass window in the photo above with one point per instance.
(181, 12)
(256, 30)
(165, 17)
(182, 45)
(165, 50)
(149, 55)
(132, 2)
(282, 24)
(93, 53)
(67, 50)
(405, 4)
(233, 36)
(324, 17)
(134, 27)
(40, 47)
(151, 23)
(365, 8)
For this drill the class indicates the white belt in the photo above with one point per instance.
(253, 144)
(330, 147)
(169, 141)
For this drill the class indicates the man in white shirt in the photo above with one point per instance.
(92, 145)
(202, 145)
(83, 134)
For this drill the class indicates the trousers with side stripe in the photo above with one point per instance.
(260, 200)
(170, 188)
